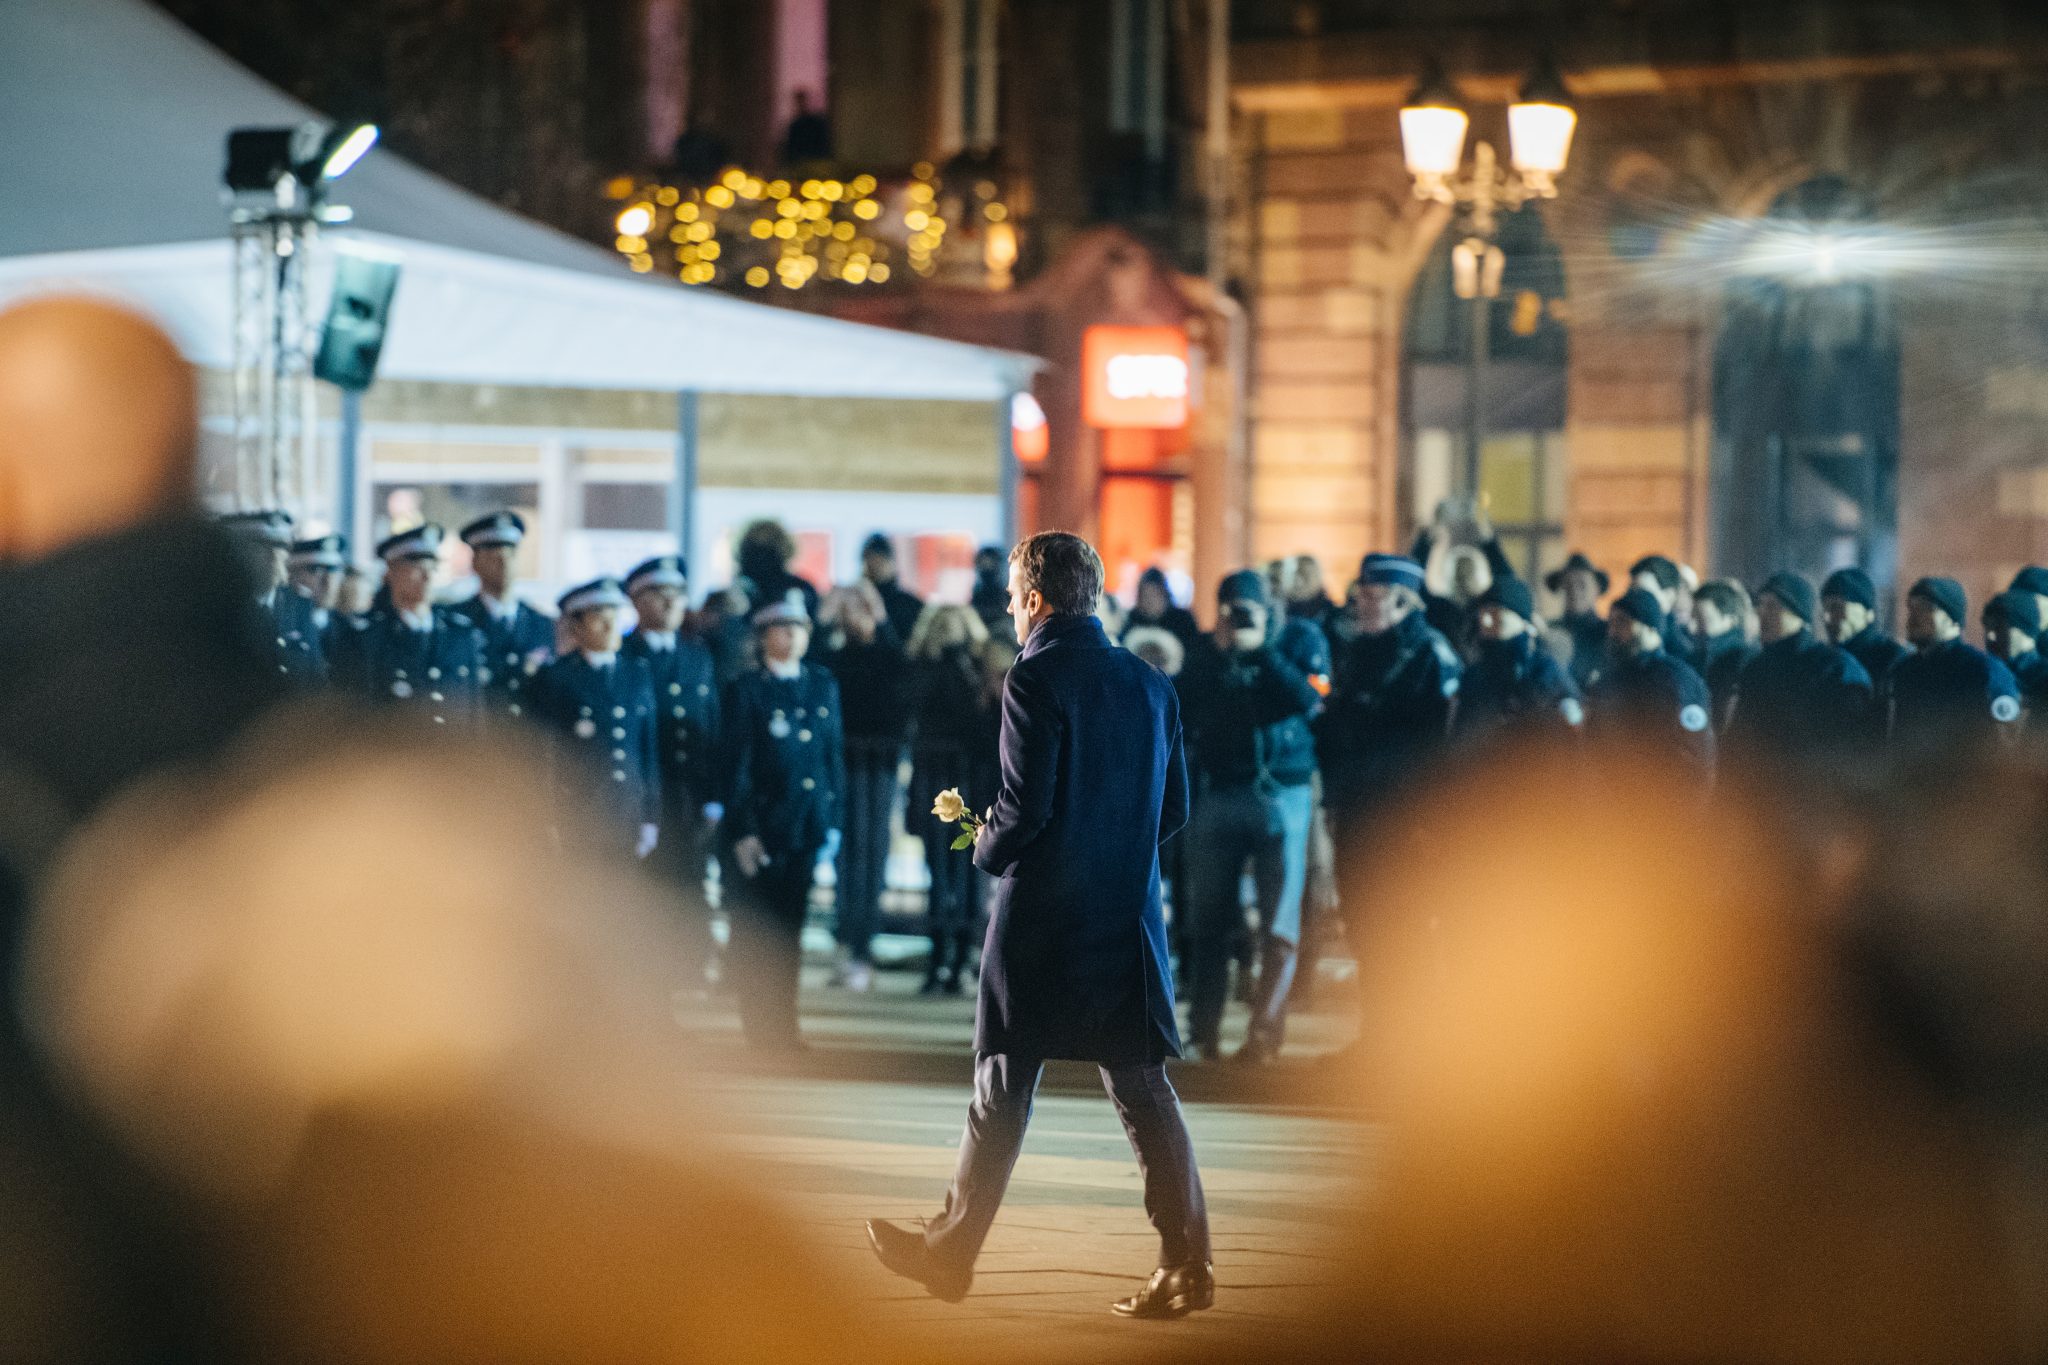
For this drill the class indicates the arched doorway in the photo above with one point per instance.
(1522, 466)
(1806, 394)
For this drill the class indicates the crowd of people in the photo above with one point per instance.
(767, 731)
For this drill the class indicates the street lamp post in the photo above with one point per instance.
(1433, 127)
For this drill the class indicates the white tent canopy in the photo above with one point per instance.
(112, 139)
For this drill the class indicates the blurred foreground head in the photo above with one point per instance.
(1631, 1113)
(415, 1070)
(98, 424)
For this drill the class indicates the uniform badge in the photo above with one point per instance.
(2004, 709)
(401, 689)
(1572, 711)
(1693, 719)
(779, 727)
(585, 728)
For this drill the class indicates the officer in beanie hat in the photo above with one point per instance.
(1581, 585)
(2012, 634)
(1800, 698)
(518, 640)
(2033, 580)
(600, 705)
(1246, 710)
(297, 648)
(1848, 617)
(785, 794)
(1515, 682)
(410, 652)
(1947, 692)
(1391, 702)
(1721, 613)
(1646, 693)
(1659, 576)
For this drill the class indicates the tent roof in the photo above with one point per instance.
(112, 139)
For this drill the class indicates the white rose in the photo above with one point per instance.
(950, 806)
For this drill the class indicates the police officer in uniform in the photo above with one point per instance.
(1645, 692)
(410, 652)
(1659, 576)
(1946, 692)
(518, 640)
(287, 618)
(600, 705)
(1391, 703)
(686, 704)
(1720, 615)
(1515, 683)
(1800, 697)
(1581, 585)
(784, 809)
(2033, 580)
(2012, 635)
(1848, 613)
(314, 569)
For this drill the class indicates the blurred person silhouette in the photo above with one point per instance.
(878, 568)
(517, 640)
(1720, 612)
(314, 569)
(2012, 635)
(1156, 608)
(598, 705)
(766, 550)
(1645, 693)
(299, 650)
(1658, 575)
(1947, 692)
(1579, 585)
(99, 525)
(1514, 680)
(945, 656)
(1801, 700)
(411, 652)
(863, 652)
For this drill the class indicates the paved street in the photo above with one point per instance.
(866, 1126)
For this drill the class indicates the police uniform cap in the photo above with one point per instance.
(1246, 585)
(782, 612)
(1554, 580)
(1851, 585)
(272, 528)
(1641, 606)
(421, 542)
(598, 592)
(320, 552)
(2016, 608)
(2033, 579)
(1946, 594)
(662, 571)
(1394, 571)
(1510, 594)
(494, 529)
(1792, 590)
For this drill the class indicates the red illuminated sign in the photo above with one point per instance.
(1135, 377)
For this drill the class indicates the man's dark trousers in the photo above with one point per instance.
(1003, 1090)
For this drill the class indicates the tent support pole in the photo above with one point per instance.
(1007, 473)
(346, 465)
(682, 493)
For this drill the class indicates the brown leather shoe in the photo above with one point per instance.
(1172, 1292)
(904, 1252)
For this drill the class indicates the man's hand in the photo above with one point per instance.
(650, 835)
(751, 855)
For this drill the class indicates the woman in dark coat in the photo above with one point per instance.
(952, 721)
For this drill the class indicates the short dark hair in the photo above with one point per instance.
(1064, 568)
(1725, 597)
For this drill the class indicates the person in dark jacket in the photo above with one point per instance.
(2012, 634)
(1720, 612)
(1392, 700)
(1646, 694)
(1248, 715)
(518, 640)
(1308, 598)
(599, 705)
(1580, 586)
(1800, 698)
(314, 569)
(1155, 607)
(1947, 693)
(298, 652)
(1075, 962)
(766, 550)
(785, 804)
(686, 697)
(991, 598)
(411, 652)
(946, 655)
(1515, 684)
(1659, 575)
(878, 568)
(865, 657)
(1848, 611)
(2033, 580)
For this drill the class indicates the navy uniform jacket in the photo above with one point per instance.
(1801, 695)
(437, 670)
(2030, 671)
(1389, 712)
(1093, 781)
(1723, 657)
(507, 647)
(1517, 684)
(1951, 691)
(1879, 653)
(1588, 632)
(1660, 699)
(604, 723)
(685, 680)
(297, 651)
(785, 779)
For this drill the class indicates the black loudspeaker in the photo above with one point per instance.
(356, 318)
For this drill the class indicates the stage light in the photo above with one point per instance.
(291, 164)
(347, 150)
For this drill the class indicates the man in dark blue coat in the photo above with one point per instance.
(1581, 586)
(1074, 966)
(411, 652)
(600, 705)
(1947, 693)
(1516, 684)
(297, 650)
(2012, 633)
(1645, 693)
(518, 641)
(1800, 698)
